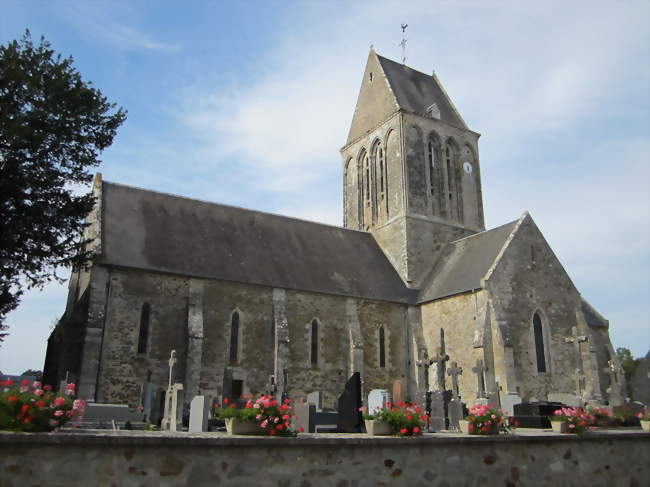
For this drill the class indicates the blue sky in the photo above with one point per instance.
(248, 103)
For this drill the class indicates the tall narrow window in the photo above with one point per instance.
(539, 343)
(432, 163)
(234, 337)
(367, 178)
(450, 179)
(144, 328)
(381, 173)
(382, 347)
(314, 342)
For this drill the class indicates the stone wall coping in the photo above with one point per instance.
(158, 438)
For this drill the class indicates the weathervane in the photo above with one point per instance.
(403, 43)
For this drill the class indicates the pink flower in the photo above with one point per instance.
(258, 417)
(38, 392)
(404, 431)
(59, 401)
(264, 423)
(58, 413)
(36, 385)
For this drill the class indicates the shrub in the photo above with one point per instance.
(578, 419)
(405, 419)
(33, 408)
(274, 418)
(487, 419)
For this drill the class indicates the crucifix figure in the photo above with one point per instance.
(172, 362)
(454, 372)
(479, 369)
(576, 340)
(439, 358)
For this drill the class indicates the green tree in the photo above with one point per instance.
(38, 374)
(53, 127)
(627, 361)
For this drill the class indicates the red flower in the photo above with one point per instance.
(24, 382)
(41, 404)
(301, 430)
(47, 387)
(9, 382)
(27, 420)
(416, 430)
(25, 408)
(226, 400)
(12, 398)
(409, 418)
(279, 427)
(272, 432)
(404, 431)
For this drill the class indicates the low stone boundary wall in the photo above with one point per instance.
(121, 458)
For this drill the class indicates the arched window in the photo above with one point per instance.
(144, 328)
(382, 347)
(366, 172)
(314, 342)
(538, 334)
(381, 173)
(234, 337)
(432, 163)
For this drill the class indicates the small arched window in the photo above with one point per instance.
(432, 163)
(382, 347)
(314, 343)
(366, 171)
(538, 334)
(381, 172)
(144, 328)
(234, 337)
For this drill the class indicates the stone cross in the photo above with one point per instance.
(423, 377)
(439, 358)
(479, 370)
(172, 362)
(614, 390)
(454, 372)
(576, 340)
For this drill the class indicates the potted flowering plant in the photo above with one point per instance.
(486, 419)
(603, 417)
(403, 419)
(264, 416)
(36, 408)
(577, 420)
(644, 419)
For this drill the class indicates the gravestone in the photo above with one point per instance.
(566, 398)
(350, 419)
(377, 400)
(199, 413)
(614, 389)
(535, 414)
(173, 418)
(398, 392)
(315, 398)
(481, 395)
(305, 417)
(439, 410)
(508, 402)
(148, 400)
(455, 407)
(98, 413)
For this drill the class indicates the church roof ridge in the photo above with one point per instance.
(235, 207)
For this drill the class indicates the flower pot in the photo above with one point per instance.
(559, 426)
(645, 425)
(235, 426)
(378, 428)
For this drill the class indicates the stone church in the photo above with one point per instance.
(412, 275)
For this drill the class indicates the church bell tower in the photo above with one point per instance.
(411, 168)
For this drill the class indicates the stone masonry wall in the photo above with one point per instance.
(153, 459)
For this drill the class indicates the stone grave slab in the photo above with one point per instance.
(315, 398)
(377, 399)
(569, 399)
(349, 418)
(440, 410)
(305, 417)
(508, 402)
(199, 414)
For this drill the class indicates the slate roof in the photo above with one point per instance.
(416, 91)
(161, 232)
(593, 318)
(464, 263)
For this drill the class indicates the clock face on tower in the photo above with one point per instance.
(467, 167)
